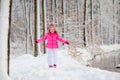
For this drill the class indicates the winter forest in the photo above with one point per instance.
(92, 28)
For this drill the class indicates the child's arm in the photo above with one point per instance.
(41, 39)
(62, 40)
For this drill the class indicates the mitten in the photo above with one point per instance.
(36, 41)
(67, 42)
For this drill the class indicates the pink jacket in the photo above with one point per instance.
(52, 39)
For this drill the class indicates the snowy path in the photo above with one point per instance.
(27, 67)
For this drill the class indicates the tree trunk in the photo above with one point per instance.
(4, 28)
(63, 15)
(9, 33)
(35, 28)
(92, 26)
(84, 28)
(44, 21)
(53, 10)
(38, 24)
(27, 26)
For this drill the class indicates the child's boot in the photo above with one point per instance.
(50, 66)
(54, 65)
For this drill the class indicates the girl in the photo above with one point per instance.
(52, 37)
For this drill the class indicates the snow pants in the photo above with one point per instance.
(51, 56)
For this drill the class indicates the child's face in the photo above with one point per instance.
(52, 30)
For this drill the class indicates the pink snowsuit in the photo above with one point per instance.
(52, 40)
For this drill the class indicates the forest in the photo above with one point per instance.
(92, 22)
(92, 28)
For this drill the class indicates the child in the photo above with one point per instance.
(52, 37)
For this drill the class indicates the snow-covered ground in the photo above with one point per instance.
(105, 48)
(118, 66)
(86, 55)
(27, 67)
(109, 48)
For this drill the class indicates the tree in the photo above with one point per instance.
(85, 22)
(35, 28)
(84, 28)
(38, 23)
(9, 33)
(4, 26)
(44, 20)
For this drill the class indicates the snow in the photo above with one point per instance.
(87, 54)
(27, 67)
(105, 48)
(109, 48)
(118, 66)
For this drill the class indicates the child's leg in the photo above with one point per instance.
(50, 57)
(54, 56)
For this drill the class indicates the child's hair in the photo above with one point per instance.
(55, 31)
(52, 26)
